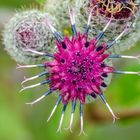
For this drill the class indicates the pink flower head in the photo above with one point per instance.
(78, 69)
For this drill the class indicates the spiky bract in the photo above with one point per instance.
(59, 10)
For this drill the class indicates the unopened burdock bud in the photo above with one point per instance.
(26, 30)
(122, 13)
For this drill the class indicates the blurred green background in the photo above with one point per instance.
(22, 122)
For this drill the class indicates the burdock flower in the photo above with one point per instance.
(78, 69)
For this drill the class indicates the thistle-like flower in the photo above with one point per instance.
(78, 68)
(26, 31)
